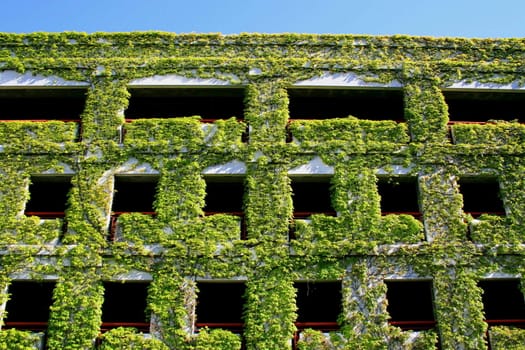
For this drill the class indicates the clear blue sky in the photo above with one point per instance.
(465, 18)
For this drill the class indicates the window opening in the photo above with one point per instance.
(208, 103)
(410, 304)
(225, 195)
(132, 193)
(318, 303)
(318, 306)
(43, 104)
(325, 103)
(482, 106)
(503, 302)
(28, 305)
(399, 195)
(220, 305)
(48, 196)
(481, 196)
(40, 104)
(310, 195)
(125, 305)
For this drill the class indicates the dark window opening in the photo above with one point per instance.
(48, 196)
(318, 304)
(208, 103)
(399, 195)
(66, 104)
(28, 305)
(482, 106)
(225, 195)
(125, 305)
(220, 305)
(503, 302)
(481, 196)
(132, 193)
(410, 304)
(311, 195)
(321, 103)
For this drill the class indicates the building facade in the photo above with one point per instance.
(163, 191)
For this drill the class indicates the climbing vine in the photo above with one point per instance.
(179, 245)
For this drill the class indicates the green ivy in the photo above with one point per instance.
(507, 338)
(128, 339)
(179, 245)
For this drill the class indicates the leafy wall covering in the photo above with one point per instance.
(359, 247)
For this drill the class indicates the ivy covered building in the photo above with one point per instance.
(210, 192)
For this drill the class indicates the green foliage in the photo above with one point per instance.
(401, 229)
(76, 311)
(174, 134)
(217, 339)
(179, 244)
(269, 313)
(128, 339)
(360, 135)
(12, 339)
(33, 137)
(492, 229)
(495, 134)
(507, 338)
(314, 340)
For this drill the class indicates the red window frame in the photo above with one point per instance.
(370, 103)
(320, 103)
(43, 104)
(503, 302)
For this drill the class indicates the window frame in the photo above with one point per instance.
(233, 180)
(152, 178)
(33, 326)
(322, 326)
(472, 96)
(64, 180)
(505, 321)
(325, 180)
(399, 180)
(235, 327)
(491, 180)
(411, 324)
(144, 326)
(350, 93)
(45, 94)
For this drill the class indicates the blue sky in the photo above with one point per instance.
(463, 18)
